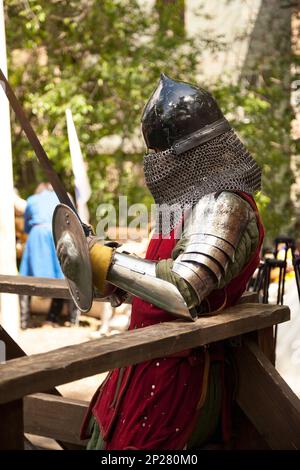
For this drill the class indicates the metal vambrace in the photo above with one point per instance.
(212, 233)
(138, 277)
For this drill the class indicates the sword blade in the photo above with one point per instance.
(36, 145)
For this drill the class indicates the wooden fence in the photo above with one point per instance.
(267, 411)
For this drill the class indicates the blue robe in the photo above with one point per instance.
(39, 257)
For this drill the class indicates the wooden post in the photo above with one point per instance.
(12, 426)
(267, 400)
(9, 305)
(55, 417)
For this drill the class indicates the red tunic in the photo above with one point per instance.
(152, 405)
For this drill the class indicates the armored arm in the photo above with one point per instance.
(219, 236)
(138, 277)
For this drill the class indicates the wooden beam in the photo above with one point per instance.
(267, 400)
(244, 435)
(39, 286)
(266, 343)
(40, 372)
(12, 349)
(55, 417)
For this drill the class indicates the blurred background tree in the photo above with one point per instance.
(103, 59)
(262, 111)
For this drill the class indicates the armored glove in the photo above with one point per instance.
(100, 256)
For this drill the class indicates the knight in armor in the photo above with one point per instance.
(198, 167)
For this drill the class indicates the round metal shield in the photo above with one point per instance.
(65, 220)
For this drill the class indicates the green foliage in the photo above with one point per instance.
(103, 59)
(171, 17)
(267, 136)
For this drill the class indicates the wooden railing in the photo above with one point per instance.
(263, 397)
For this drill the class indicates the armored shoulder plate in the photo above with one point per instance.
(213, 230)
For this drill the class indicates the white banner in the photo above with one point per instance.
(82, 185)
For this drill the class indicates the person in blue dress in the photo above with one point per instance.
(39, 256)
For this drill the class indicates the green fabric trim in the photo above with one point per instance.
(96, 441)
(164, 271)
(209, 415)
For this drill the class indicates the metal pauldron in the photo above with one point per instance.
(138, 277)
(213, 230)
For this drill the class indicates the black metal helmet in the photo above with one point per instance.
(181, 115)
